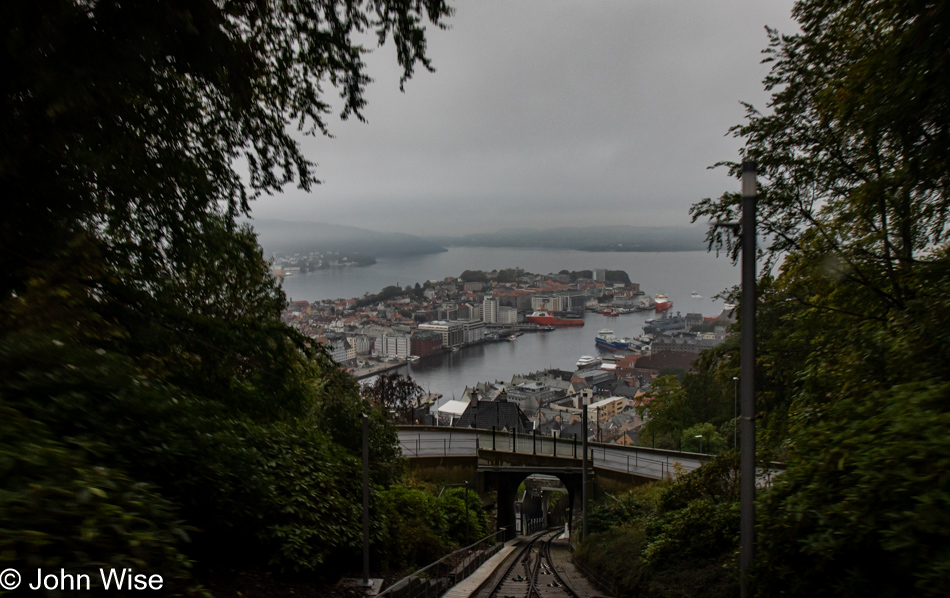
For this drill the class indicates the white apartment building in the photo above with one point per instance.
(338, 349)
(396, 345)
(490, 310)
(472, 331)
(507, 315)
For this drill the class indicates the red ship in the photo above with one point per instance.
(662, 302)
(546, 318)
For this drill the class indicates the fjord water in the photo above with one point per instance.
(675, 274)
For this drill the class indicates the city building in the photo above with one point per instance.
(425, 342)
(490, 310)
(500, 414)
(473, 331)
(604, 409)
(507, 315)
(396, 345)
(453, 335)
(531, 396)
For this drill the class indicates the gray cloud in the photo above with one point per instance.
(547, 113)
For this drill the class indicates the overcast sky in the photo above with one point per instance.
(547, 113)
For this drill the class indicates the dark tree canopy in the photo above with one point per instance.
(125, 122)
(853, 151)
(141, 346)
(852, 326)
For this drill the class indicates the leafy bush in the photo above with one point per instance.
(416, 527)
(452, 503)
(667, 539)
(59, 511)
(271, 491)
(630, 508)
(864, 507)
(710, 443)
(615, 555)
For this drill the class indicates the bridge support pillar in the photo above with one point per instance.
(507, 487)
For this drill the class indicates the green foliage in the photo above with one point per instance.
(453, 505)
(57, 510)
(129, 119)
(281, 490)
(854, 149)
(390, 292)
(611, 275)
(473, 276)
(615, 555)
(416, 527)
(853, 340)
(617, 276)
(710, 443)
(665, 540)
(140, 330)
(863, 507)
(509, 275)
(717, 480)
(629, 508)
(396, 394)
(704, 529)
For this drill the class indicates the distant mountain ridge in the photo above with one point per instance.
(588, 238)
(284, 236)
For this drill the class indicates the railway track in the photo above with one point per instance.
(532, 573)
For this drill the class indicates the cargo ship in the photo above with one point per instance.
(605, 339)
(662, 303)
(664, 324)
(546, 318)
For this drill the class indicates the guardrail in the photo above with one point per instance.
(434, 580)
(533, 525)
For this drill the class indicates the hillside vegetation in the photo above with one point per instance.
(155, 414)
(853, 326)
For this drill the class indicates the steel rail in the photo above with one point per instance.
(564, 585)
(519, 559)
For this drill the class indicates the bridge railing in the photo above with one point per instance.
(449, 442)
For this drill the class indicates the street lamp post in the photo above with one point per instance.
(735, 411)
(365, 423)
(700, 436)
(747, 372)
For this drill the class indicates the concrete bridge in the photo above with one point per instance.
(506, 449)
(500, 461)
